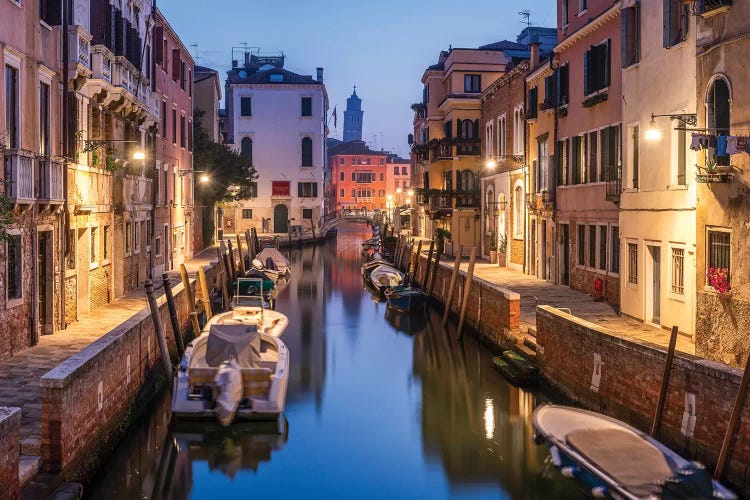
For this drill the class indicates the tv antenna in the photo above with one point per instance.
(526, 16)
(195, 51)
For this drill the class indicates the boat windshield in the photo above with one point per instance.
(249, 292)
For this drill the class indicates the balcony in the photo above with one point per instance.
(468, 148)
(467, 199)
(422, 198)
(441, 201)
(19, 176)
(548, 197)
(709, 8)
(613, 179)
(442, 151)
(79, 51)
(49, 179)
(715, 175)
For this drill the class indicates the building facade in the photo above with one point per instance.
(353, 118)
(397, 175)
(174, 225)
(358, 178)
(278, 119)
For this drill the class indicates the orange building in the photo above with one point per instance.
(358, 177)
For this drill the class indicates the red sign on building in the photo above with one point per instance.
(280, 188)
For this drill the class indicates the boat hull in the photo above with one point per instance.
(406, 300)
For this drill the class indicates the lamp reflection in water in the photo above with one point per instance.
(489, 419)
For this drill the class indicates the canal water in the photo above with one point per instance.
(380, 405)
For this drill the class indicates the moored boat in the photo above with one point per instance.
(272, 274)
(614, 459)
(405, 298)
(273, 259)
(385, 276)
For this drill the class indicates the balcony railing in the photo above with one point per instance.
(19, 175)
(548, 196)
(442, 151)
(468, 149)
(613, 179)
(441, 201)
(708, 8)
(79, 49)
(49, 177)
(467, 199)
(422, 199)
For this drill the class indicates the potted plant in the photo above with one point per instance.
(718, 278)
(440, 236)
(502, 250)
(493, 247)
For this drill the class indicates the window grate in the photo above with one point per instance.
(633, 263)
(678, 274)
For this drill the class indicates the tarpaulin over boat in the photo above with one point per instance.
(239, 342)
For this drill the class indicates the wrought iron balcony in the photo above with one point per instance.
(442, 151)
(708, 8)
(19, 176)
(422, 198)
(49, 179)
(468, 148)
(441, 201)
(548, 196)
(718, 174)
(467, 199)
(613, 180)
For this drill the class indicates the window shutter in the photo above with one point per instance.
(637, 30)
(586, 72)
(607, 59)
(475, 135)
(158, 45)
(624, 39)
(448, 126)
(666, 18)
(315, 189)
(176, 64)
(300, 191)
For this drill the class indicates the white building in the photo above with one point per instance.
(278, 119)
(658, 200)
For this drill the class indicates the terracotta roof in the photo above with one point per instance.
(354, 148)
(241, 75)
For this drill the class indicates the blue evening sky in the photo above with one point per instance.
(381, 46)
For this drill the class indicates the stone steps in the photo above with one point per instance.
(28, 467)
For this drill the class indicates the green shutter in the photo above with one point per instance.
(586, 72)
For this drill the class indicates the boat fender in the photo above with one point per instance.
(570, 471)
(600, 492)
(538, 439)
(555, 453)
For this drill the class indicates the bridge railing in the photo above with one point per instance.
(353, 213)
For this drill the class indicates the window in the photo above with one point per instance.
(253, 189)
(354, 193)
(341, 176)
(382, 161)
(307, 189)
(676, 22)
(183, 130)
(473, 83)
(562, 162)
(426, 94)
(592, 246)
(579, 159)
(518, 215)
(719, 251)
(247, 213)
(246, 148)
(603, 248)
(307, 152)
(395, 170)
(12, 115)
(518, 130)
(543, 170)
(631, 33)
(14, 266)
(633, 263)
(550, 90)
(531, 112)
(190, 135)
(307, 213)
(681, 157)
(341, 194)
(718, 114)
(596, 70)
(563, 92)
(174, 126)
(276, 78)
(50, 11)
(176, 64)
(564, 13)
(341, 162)
(635, 155)
(183, 75)
(93, 234)
(501, 136)
(157, 244)
(307, 106)
(593, 143)
(678, 271)
(582, 5)
(137, 236)
(70, 257)
(164, 119)
(44, 119)
(246, 106)
(382, 177)
(404, 171)
(105, 243)
(581, 245)
(614, 263)
(354, 176)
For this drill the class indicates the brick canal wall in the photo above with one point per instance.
(490, 310)
(89, 398)
(10, 450)
(700, 397)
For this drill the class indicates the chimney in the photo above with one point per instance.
(234, 63)
(247, 59)
(534, 54)
(320, 74)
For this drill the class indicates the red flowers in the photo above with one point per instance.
(718, 278)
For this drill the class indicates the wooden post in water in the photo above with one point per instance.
(452, 286)
(158, 328)
(257, 241)
(397, 251)
(190, 300)
(173, 315)
(467, 291)
(250, 247)
(222, 279)
(656, 426)
(312, 227)
(277, 242)
(416, 263)
(232, 262)
(734, 420)
(242, 257)
(435, 269)
(203, 283)
(406, 265)
(426, 277)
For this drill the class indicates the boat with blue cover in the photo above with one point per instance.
(405, 298)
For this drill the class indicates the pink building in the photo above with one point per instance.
(397, 175)
(589, 145)
(173, 226)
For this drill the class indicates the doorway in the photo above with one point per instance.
(44, 282)
(532, 249)
(565, 254)
(655, 253)
(280, 219)
(544, 249)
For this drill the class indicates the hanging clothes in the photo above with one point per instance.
(732, 145)
(695, 142)
(721, 145)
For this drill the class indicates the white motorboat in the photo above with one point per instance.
(273, 259)
(614, 459)
(385, 276)
(272, 274)
(232, 371)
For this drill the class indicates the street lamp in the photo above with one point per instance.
(654, 134)
(491, 164)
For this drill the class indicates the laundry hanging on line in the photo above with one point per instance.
(723, 144)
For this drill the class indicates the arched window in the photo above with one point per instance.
(307, 152)
(718, 112)
(489, 211)
(468, 180)
(246, 148)
(501, 215)
(518, 212)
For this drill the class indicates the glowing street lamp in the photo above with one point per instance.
(204, 178)
(139, 155)
(491, 164)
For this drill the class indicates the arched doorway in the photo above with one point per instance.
(280, 219)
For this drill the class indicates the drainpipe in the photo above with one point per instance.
(65, 131)
(525, 180)
(556, 134)
(154, 173)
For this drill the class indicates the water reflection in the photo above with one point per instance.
(380, 404)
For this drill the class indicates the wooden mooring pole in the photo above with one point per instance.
(656, 427)
(250, 247)
(158, 328)
(190, 300)
(203, 283)
(452, 286)
(435, 269)
(397, 252)
(232, 262)
(426, 277)
(242, 257)
(415, 267)
(467, 292)
(222, 279)
(734, 421)
(173, 315)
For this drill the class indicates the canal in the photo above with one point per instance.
(379, 405)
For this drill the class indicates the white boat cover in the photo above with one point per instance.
(233, 342)
(386, 276)
(228, 385)
(276, 256)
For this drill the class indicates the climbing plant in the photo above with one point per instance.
(6, 216)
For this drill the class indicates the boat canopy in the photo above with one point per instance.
(238, 342)
(277, 257)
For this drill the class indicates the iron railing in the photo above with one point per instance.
(19, 175)
(613, 180)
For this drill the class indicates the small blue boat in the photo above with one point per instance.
(405, 298)
(616, 460)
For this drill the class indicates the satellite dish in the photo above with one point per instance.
(243, 74)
